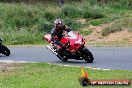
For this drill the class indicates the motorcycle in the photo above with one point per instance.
(74, 47)
(3, 49)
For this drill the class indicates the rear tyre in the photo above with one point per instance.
(87, 55)
(5, 50)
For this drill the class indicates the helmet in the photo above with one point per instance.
(58, 24)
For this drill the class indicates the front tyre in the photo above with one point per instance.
(5, 50)
(87, 55)
(63, 58)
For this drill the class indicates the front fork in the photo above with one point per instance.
(51, 49)
(80, 52)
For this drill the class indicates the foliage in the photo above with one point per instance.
(49, 16)
(93, 12)
(72, 24)
(85, 32)
(19, 21)
(70, 11)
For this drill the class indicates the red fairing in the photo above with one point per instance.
(76, 40)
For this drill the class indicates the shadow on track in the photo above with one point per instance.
(73, 62)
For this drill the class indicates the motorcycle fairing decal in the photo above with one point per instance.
(78, 41)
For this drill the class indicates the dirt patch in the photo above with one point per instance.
(96, 32)
(82, 21)
(4, 67)
(121, 37)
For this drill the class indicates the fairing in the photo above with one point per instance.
(76, 40)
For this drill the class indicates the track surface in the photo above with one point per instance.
(105, 57)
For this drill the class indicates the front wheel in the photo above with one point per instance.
(63, 58)
(87, 55)
(5, 50)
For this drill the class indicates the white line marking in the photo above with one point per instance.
(85, 67)
(11, 61)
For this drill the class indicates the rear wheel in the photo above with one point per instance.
(87, 55)
(5, 50)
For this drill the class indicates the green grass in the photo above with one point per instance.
(20, 20)
(98, 22)
(24, 24)
(41, 75)
(85, 32)
(22, 38)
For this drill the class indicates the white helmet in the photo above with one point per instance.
(58, 22)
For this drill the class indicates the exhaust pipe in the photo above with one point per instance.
(51, 49)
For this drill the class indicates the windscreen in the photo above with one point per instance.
(72, 35)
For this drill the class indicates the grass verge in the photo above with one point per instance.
(41, 75)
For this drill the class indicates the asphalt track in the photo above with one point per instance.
(105, 57)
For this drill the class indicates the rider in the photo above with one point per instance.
(57, 31)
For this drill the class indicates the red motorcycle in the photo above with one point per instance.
(74, 48)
